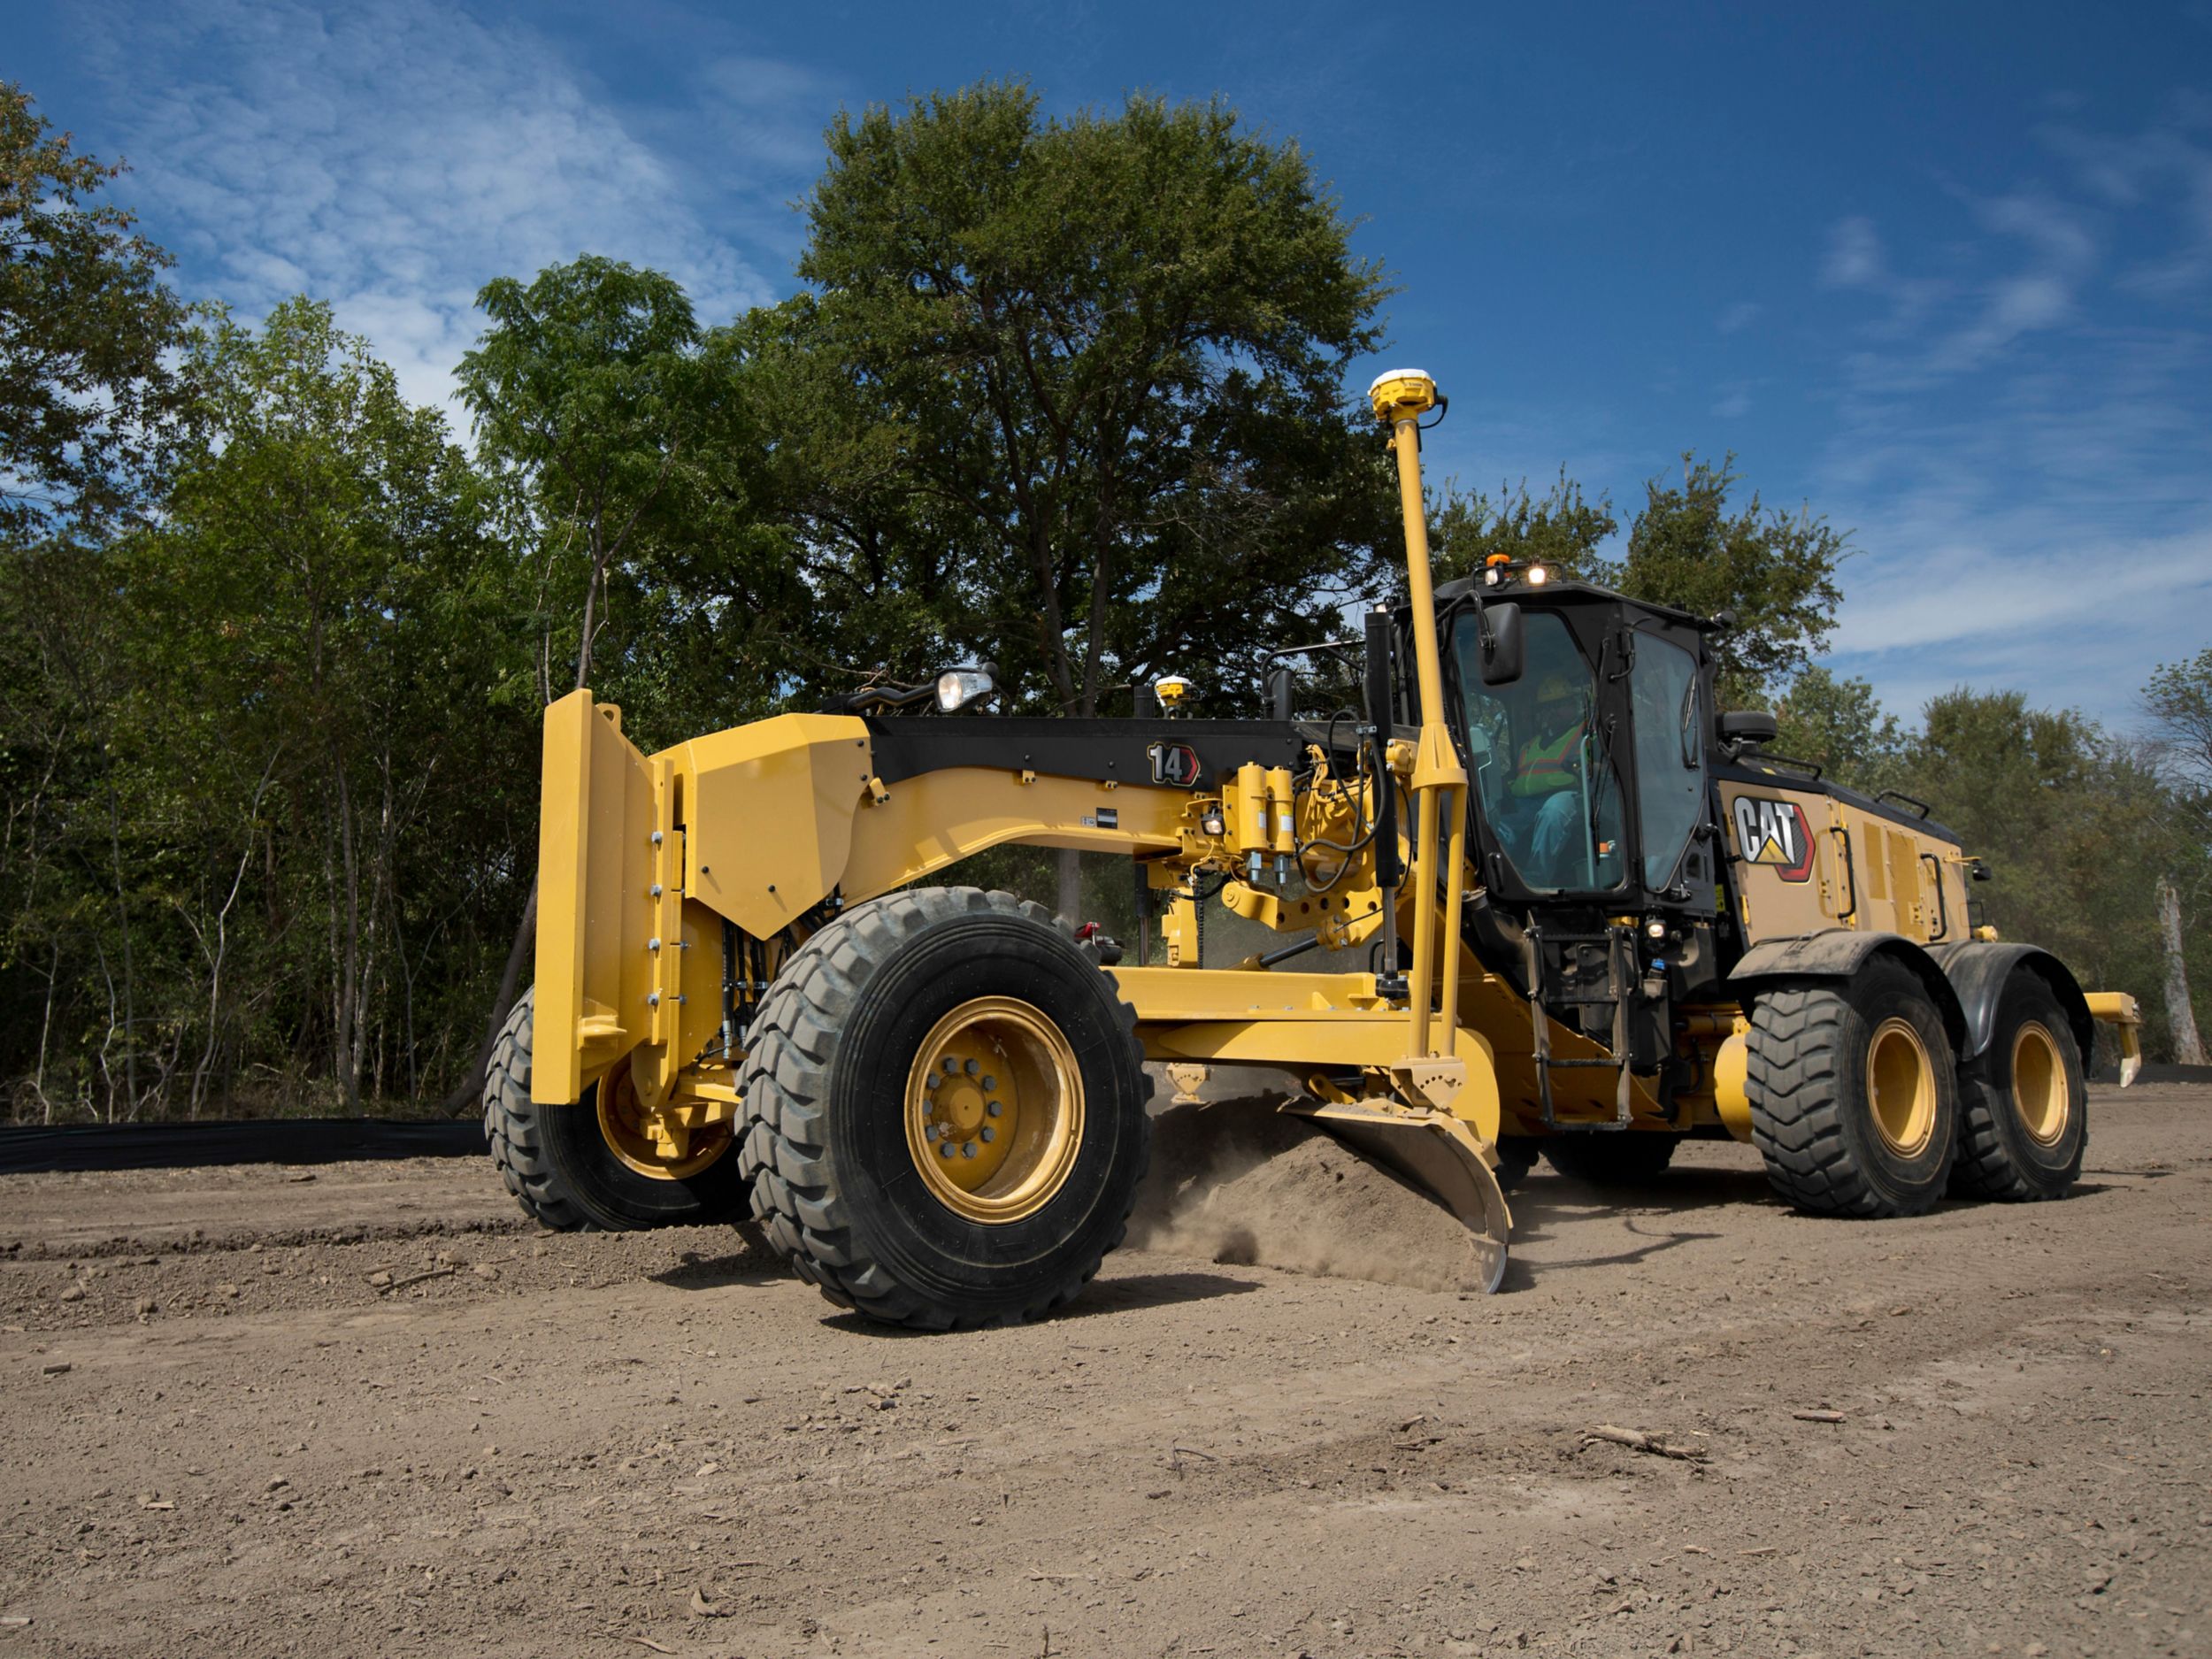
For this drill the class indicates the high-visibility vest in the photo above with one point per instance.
(1547, 767)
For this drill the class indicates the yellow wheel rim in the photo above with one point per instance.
(995, 1110)
(660, 1146)
(2040, 1093)
(1900, 1086)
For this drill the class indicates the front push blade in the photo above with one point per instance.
(1438, 1154)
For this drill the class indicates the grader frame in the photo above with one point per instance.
(674, 888)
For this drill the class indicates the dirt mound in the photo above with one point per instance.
(1237, 1182)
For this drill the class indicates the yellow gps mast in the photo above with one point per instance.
(1400, 397)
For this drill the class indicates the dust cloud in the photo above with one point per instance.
(1237, 1183)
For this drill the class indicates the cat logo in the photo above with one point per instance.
(1175, 763)
(1774, 832)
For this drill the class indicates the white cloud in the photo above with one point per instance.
(1855, 256)
(392, 157)
(2021, 449)
(1736, 318)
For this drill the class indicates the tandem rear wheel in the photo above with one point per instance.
(944, 1111)
(1854, 1093)
(2024, 1102)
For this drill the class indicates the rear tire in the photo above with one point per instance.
(1629, 1158)
(558, 1162)
(859, 1175)
(1854, 1094)
(2023, 1120)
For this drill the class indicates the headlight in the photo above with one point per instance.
(957, 687)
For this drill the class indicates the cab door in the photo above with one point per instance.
(1671, 724)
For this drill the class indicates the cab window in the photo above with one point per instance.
(1538, 762)
(1670, 755)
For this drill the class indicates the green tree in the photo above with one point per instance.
(2178, 697)
(1840, 727)
(88, 405)
(1562, 529)
(266, 814)
(1098, 362)
(1774, 572)
(586, 395)
(327, 551)
(2078, 831)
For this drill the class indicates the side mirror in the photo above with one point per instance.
(1282, 688)
(1504, 645)
(1741, 727)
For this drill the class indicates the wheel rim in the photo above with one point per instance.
(2040, 1092)
(1900, 1086)
(630, 1133)
(994, 1110)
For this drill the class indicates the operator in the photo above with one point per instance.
(1546, 786)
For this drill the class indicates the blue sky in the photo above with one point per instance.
(1943, 272)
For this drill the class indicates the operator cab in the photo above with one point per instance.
(1585, 721)
(1587, 762)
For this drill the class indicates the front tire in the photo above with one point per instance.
(573, 1169)
(946, 1106)
(1854, 1094)
(2024, 1104)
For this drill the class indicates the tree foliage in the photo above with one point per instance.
(2179, 698)
(1774, 572)
(270, 815)
(88, 400)
(1562, 529)
(1840, 727)
(1081, 382)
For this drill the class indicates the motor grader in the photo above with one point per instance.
(1587, 915)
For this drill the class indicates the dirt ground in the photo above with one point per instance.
(365, 1409)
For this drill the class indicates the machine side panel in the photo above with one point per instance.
(926, 822)
(769, 815)
(1803, 860)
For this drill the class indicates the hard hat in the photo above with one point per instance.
(1553, 687)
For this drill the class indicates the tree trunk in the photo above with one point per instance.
(130, 990)
(348, 1048)
(2181, 1018)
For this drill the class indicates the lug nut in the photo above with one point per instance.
(993, 1106)
(951, 1066)
(989, 1083)
(967, 1149)
(970, 1068)
(989, 1133)
(944, 1148)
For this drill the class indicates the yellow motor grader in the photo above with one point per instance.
(1590, 917)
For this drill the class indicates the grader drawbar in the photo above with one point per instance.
(1596, 918)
